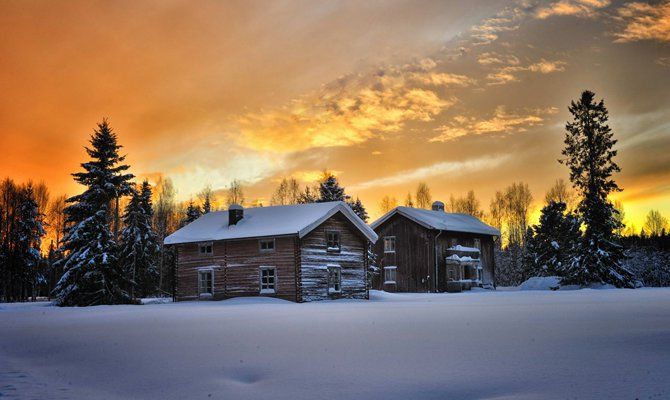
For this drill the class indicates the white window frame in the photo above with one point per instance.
(204, 245)
(201, 271)
(395, 275)
(331, 288)
(273, 290)
(389, 239)
(271, 240)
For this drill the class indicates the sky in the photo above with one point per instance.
(460, 95)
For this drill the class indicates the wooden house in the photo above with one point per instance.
(299, 252)
(433, 251)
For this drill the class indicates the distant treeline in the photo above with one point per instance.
(105, 245)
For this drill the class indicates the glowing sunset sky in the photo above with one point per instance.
(461, 95)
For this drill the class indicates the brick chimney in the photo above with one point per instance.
(235, 214)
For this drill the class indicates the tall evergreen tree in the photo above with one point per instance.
(589, 153)
(193, 212)
(207, 205)
(330, 189)
(552, 244)
(139, 246)
(92, 274)
(30, 231)
(358, 208)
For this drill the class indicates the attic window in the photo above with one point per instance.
(267, 245)
(389, 244)
(205, 248)
(333, 241)
(478, 243)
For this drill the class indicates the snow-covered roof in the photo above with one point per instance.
(297, 219)
(441, 220)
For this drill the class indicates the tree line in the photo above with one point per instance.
(105, 245)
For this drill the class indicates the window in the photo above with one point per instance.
(334, 279)
(478, 243)
(267, 245)
(205, 248)
(205, 284)
(333, 240)
(268, 280)
(389, 275)
(451, 274)
(454, 242)
(389, 244)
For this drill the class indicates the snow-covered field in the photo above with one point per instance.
(584, 344)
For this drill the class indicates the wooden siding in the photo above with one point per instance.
(244, 260)
(315, 259)
(237, 268)
(415, 255)
(189, 261)
(444, 241)
(301, 265)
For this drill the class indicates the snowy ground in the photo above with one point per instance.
(585, 344)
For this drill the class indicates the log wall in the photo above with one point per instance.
(301, 265)
(351, 258)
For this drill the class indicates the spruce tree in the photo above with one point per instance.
(358, 208)
(206, 205)
(139, 244)
(92, 274)
(30, 230)
(552, 244)
(589, 153)
(330, 189)
(193, 212)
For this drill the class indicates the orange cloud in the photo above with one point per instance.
(500, 122)
(347, 112)
(579, 8)
(644, 22)
(509, 74)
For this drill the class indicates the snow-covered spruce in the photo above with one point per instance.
(139, 244)
(589, 152)
(92, 274)
(551, 244)
(330, 189)
(30, 230)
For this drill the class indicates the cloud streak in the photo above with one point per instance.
(578, 8)
(510, 73)
(438, 169)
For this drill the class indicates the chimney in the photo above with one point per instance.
(235, 214)
(438, 206)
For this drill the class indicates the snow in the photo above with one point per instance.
(466, 249)
(455, 257)
(541, 283)
(441, 220)
(585, 344)
(297, 219)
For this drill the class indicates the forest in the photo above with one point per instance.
(105, 245)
